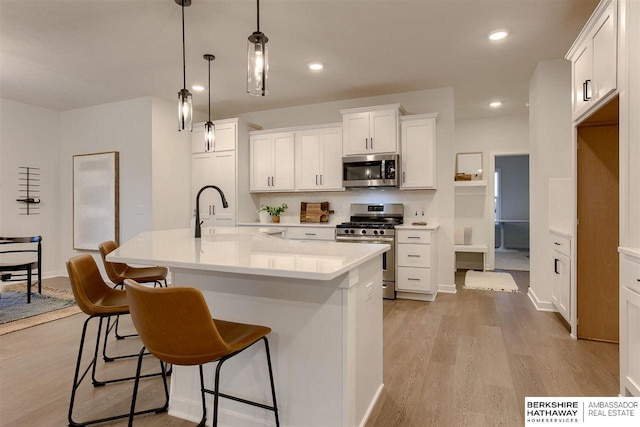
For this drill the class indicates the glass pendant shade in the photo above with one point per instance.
(258, 64)
(185, 110)
(209, 135)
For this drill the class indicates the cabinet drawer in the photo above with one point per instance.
(414, 236)
(561, 244)
(410, 255)
(311, 233)
(630, 274)
(414, 279)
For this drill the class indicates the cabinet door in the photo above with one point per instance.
(604, 40)
(226, 136)
(331, 159)
(413, 279)
(307, 152)
(197, 139)
(283, 177)
(261, 162)
(561, 284)
(582, 79)
(418, 154)
(201, 175)
(224, 177)
(383, 131)
(355, 133)
(629, 342)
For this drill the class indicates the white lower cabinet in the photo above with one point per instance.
(629, 327)
(311, 233)
(561, 281)
(416, 261)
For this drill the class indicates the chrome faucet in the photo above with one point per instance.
(198, 232)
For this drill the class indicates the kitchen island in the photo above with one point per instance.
(322, 300)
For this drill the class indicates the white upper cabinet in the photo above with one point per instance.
(371, 130)
(272, 161)
(226, 133)
(594, 57)
(418, 157)
(319, 159)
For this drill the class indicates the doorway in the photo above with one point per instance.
(510, 213)
(597, 291)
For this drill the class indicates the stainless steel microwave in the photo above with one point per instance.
(377, 170)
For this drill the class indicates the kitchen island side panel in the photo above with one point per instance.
(326, 347)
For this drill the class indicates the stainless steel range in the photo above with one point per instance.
(374, 223)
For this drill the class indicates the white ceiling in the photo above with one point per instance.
(66, 54)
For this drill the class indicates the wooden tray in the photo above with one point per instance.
(314, 212)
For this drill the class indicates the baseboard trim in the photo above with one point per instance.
(447, 289)
(367, 414)
(416, 296)
(540, 305)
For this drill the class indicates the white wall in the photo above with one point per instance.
(550, 157)
(171, 168)
(500, 135)
(438, 204)
(30, 136)
(121, 126)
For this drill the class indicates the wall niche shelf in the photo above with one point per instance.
(476, 183)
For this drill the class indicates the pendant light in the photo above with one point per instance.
(209, 127)
(185, 106)
(257, 59)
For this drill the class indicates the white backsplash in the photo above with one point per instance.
(418, 202)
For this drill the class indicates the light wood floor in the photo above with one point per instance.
(468, 359)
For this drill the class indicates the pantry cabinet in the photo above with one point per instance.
(272, 161)
(226, 135)
(217, 169)
(594, 58)
(418, 151)
(371, 130)
(318, 159)
(416, 261)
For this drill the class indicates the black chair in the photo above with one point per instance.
(17, 263)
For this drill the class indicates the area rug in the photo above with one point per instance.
(16, 314)
(490, 281)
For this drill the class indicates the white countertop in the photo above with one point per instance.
(561, 233)
(633, 252)
(408, 226)
(289, 224)
(245, 251)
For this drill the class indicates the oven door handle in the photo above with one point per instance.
(352, 240)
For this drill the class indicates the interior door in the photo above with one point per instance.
(598, 233)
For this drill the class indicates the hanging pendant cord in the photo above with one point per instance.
(184, 67)
(209, 89)
(258, 15)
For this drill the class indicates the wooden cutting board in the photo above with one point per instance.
(314, 212)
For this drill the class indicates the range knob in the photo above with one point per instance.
(352, 231)
(364, 231)
(381, 231)
(375, 231)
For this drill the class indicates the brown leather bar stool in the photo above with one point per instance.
(98, 300)
(175, 325)
(118, 272)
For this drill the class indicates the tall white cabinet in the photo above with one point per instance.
(223, 164)
(418, 151)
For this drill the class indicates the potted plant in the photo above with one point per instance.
(274, 211)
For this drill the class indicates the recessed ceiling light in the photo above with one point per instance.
(495, 104)
(498, 35)
(315, 66)
(197, 88)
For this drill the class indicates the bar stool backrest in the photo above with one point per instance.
(87, 284)
(175, 324)
(114, 269)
